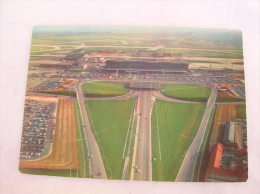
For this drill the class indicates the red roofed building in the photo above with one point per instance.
(215, 171)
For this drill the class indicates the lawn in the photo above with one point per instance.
(58, 92)
(83, 168)
(109, 121)
(187, 92)
(103, 89)
(174, 126)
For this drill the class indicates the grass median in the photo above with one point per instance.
(109, 121)
(174, 126)
(103, 89)
(188, 92)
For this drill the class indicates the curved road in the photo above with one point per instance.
(130, 94)
(160, 96)
(142, 154)
(96, 165)
(187, 168)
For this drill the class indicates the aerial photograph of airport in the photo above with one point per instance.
(142, 103)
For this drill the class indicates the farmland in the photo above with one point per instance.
(187, 92)
(174, 126)
(59, 92)
(103, 89)
(109, 121)
(64, 150)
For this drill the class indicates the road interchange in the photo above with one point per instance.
(141, 167)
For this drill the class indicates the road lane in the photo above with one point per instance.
(96, 165)
(142, 156)
(187, 168)
(160, 96)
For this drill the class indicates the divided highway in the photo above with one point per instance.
(187, 168)
(142, 156)
(96, 165)
(141, 168)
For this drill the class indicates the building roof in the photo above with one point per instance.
(229, 133)
(216, 156)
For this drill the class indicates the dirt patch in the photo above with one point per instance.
(42, 98)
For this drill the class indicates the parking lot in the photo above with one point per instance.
(38, 128)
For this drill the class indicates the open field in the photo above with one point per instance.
(204, 53)
(187, 92)
(64, 150)
(103, 89)
(225, 113)
(109, 121)
(174, 125)
(58, 92)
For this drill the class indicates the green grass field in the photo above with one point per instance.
(64, 93)
(83, 165)
(187, 92)
(110, 121)
(174, 125)
(103, 89)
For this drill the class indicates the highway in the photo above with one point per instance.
(141, 168)
(96, 165)
(142, 155)
(187, 168)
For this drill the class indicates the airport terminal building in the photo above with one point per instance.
(129, 66)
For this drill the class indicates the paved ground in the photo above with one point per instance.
(96, 165)
(142, 156)
(131, 94)
(142, 153)
(189, 162)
